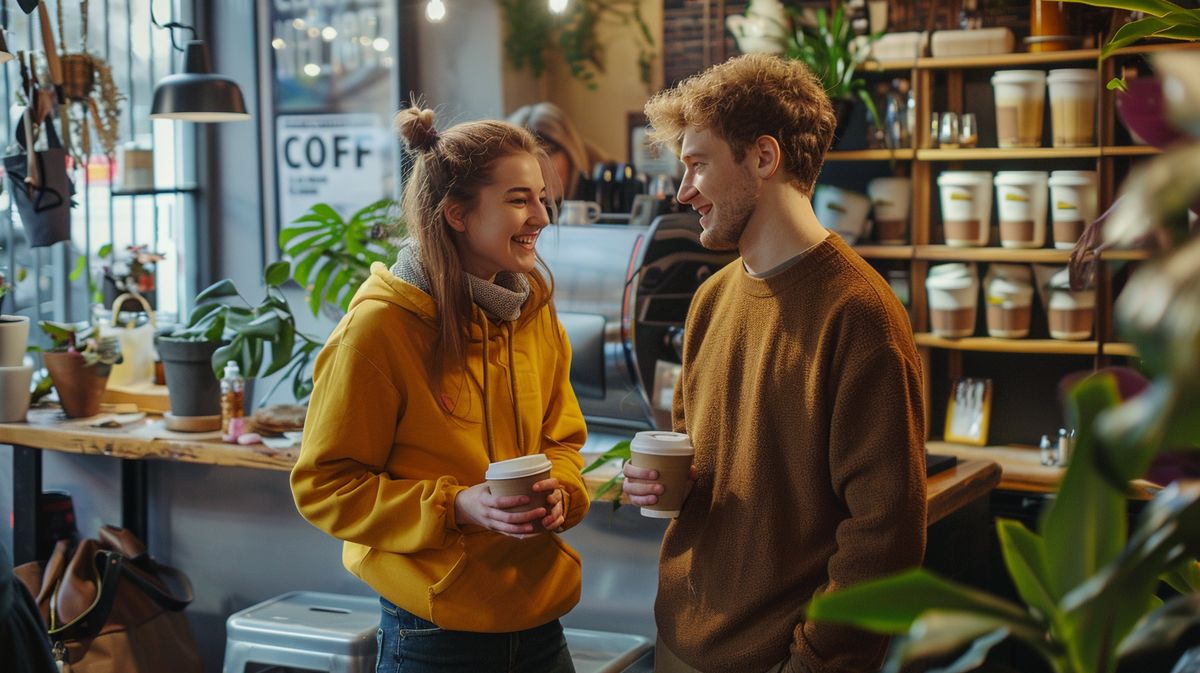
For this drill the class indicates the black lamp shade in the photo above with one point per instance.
(196, 94)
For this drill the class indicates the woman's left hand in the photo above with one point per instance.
(555, 517)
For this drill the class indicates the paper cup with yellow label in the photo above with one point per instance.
(1070, 313)
(1021, 198)
(890, 197)
(953, 291)
(966, 207)
(517, 476)
(1074, 199)
(670, 453)
(842, 210)
(1008, 292)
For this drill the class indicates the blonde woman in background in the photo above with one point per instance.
(571, 155)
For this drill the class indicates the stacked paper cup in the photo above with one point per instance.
(953, 291)
(15, 375)
(1074, 200)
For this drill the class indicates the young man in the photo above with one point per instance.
(801, 391)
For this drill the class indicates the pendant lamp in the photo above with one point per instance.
(197, 94)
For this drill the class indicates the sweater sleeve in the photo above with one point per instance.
(877, 467)
(563, 434)
(339, 481)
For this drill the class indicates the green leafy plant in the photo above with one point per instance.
(826, 45)
(1165, 20)
(333, 255)
(532, 33)
(251, 330)
(619, 451)
(83, 339)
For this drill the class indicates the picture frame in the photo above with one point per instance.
(968, 411)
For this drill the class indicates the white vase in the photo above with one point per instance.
(14, 335)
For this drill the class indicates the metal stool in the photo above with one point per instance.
(305, 629)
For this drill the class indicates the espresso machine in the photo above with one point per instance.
(622, 294)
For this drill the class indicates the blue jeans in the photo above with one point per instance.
(409, 644)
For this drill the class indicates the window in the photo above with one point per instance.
(106, 218)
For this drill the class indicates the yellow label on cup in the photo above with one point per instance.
(995, 301)
(1013, 196)
(881, 202)
(1063, 205)
(960, 196)
(837, 207)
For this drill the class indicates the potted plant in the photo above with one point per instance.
(827, 45)
(262, 338)
(79, 361)
(333, 255)
(132, 273)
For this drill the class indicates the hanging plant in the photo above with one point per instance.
(91, 94)
(532, 32)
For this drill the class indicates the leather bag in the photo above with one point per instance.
(110, 608)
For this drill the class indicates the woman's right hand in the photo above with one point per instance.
(478, 506)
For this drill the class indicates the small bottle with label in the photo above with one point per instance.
(233, 393)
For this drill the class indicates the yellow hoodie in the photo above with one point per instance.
(383, 459)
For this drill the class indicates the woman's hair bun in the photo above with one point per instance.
(415, 126)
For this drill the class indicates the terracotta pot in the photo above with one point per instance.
(79, 386)
(78, 76)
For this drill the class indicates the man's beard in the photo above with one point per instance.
(726, 231)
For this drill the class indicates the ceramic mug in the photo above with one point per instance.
(578, 212)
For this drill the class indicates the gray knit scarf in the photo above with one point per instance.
(501, 299)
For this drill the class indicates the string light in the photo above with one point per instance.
(435, 11)
(558, 6)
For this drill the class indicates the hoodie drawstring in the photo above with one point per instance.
(512, 382)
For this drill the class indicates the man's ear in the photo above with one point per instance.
(768, 156)
(456, 216)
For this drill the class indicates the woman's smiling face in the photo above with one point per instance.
(500, 232)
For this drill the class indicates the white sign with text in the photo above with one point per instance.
(337, 159)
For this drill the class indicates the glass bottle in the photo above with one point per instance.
(233, 395)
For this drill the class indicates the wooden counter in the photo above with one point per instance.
(1021, 467)
(947, 492)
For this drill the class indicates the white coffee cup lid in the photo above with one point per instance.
(662, 443)
(516, 468)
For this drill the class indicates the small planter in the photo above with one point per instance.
(79, 76)
(14, 335)
(191, 384)
(80, 386)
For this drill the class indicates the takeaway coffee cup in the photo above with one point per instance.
(842, 210)
(1073, 203)
(14, 392)
(1021, 199)
(671, 454)
(1020, 99)
(953, 296)
(1008, 292)
(517, 476)
(578, 212)
(890, 197)
(1069, 313)
(966, 207)
(1073, 94)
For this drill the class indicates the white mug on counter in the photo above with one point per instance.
(578, 212)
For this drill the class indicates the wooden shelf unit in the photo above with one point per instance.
(923, 165)
(1025, 346)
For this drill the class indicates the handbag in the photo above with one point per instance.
(108, 606)
(45, 204)
(137, 344)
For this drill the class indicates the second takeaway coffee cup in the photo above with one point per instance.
(517, 476)
(671, 454)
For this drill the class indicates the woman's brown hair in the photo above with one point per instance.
(452, 166)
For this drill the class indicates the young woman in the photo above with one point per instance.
(571, 156)
(451, 360)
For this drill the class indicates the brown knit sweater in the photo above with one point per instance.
(802, 395)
